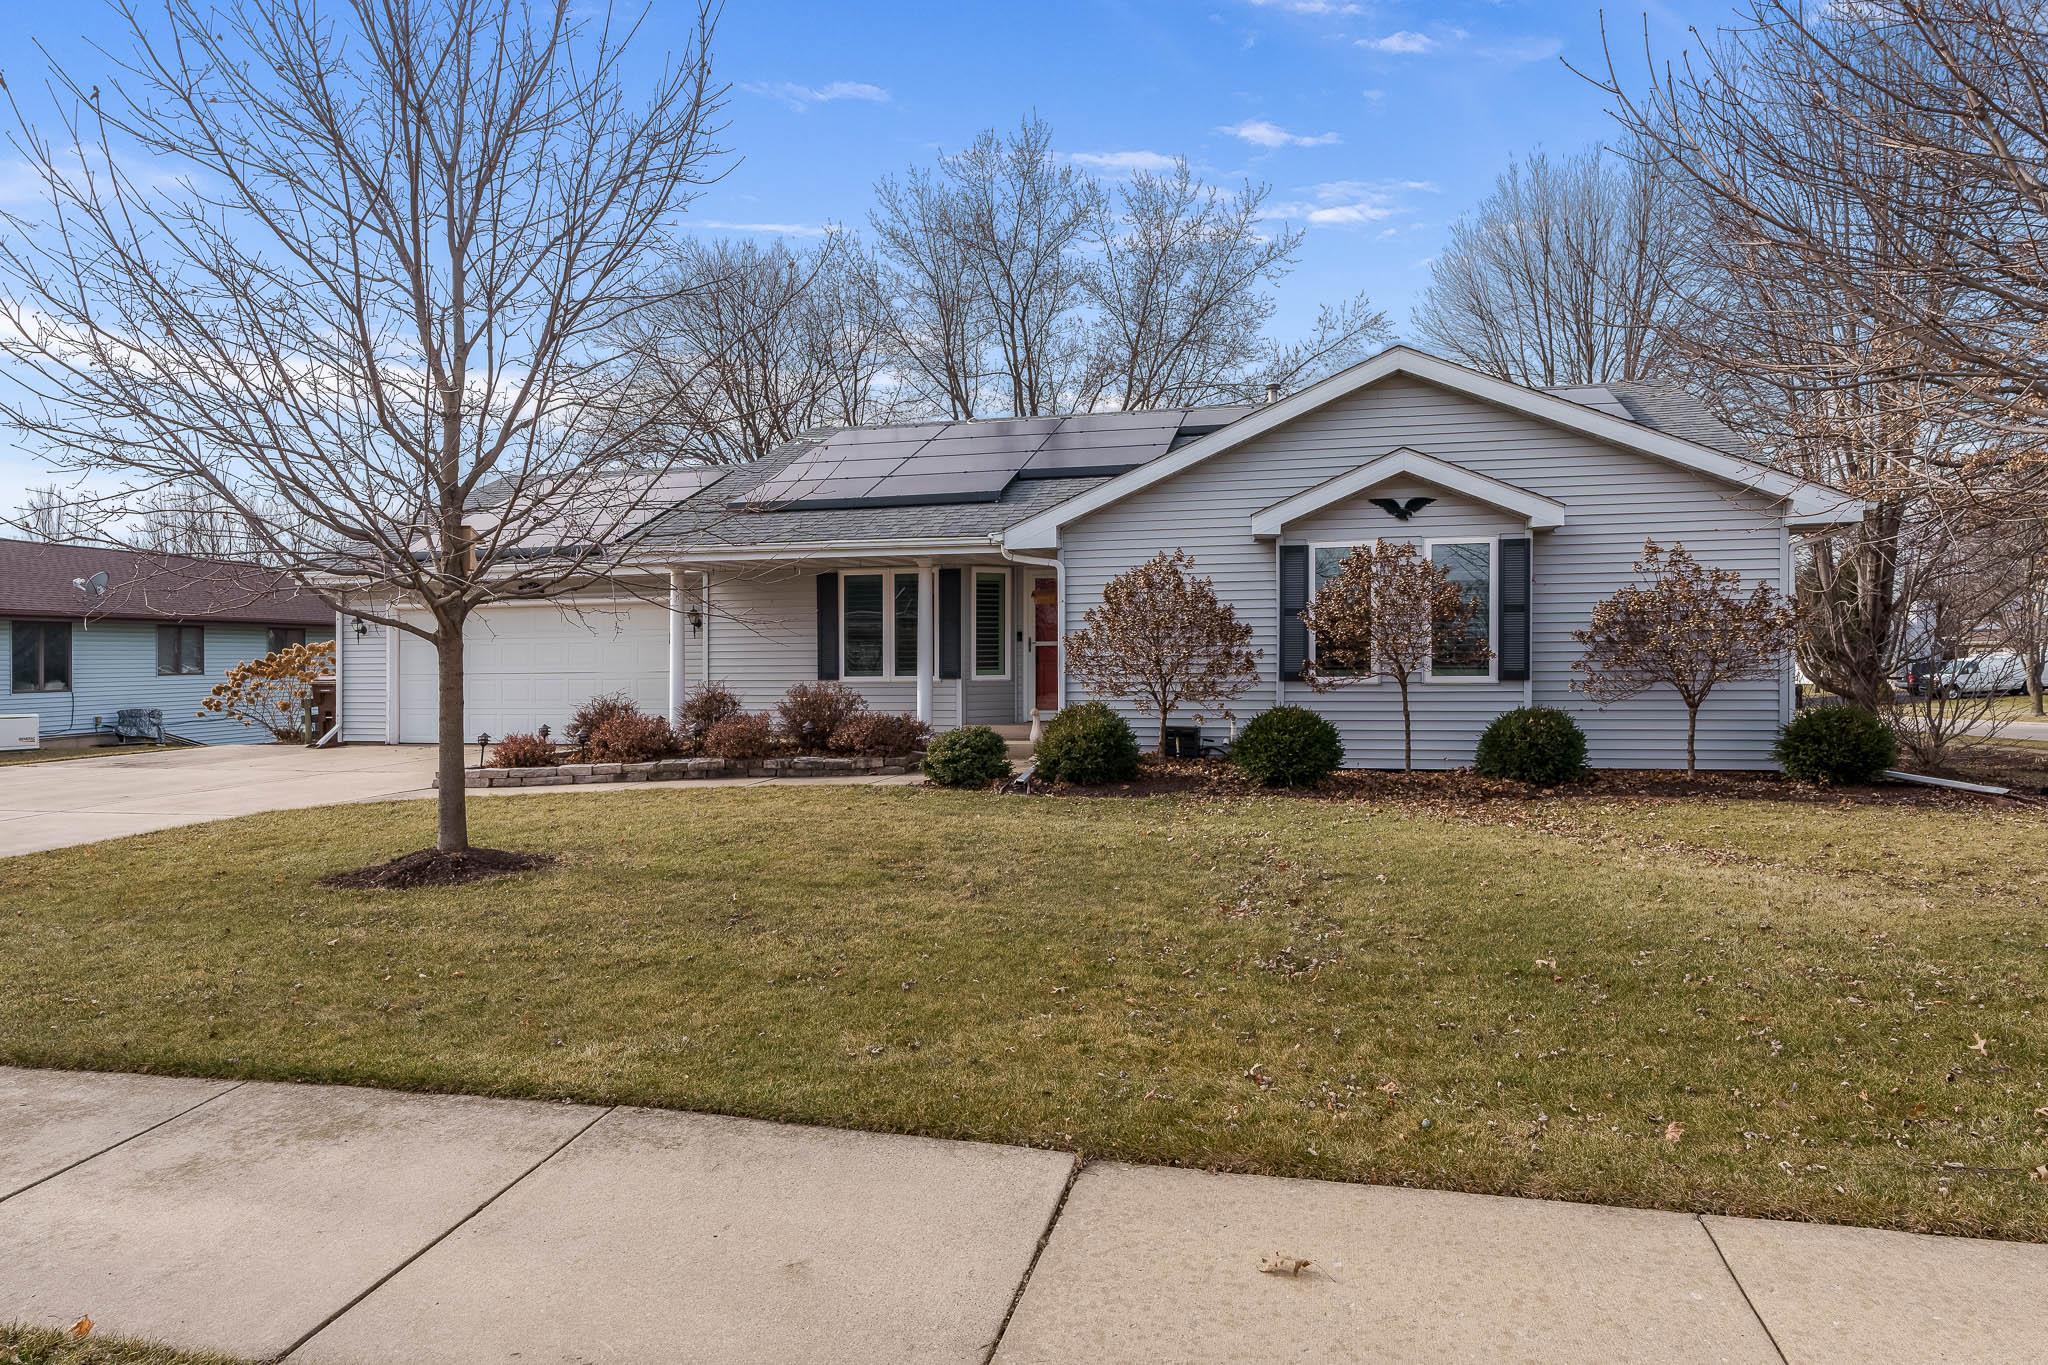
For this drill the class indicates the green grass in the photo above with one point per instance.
(35, 1346)
(1517, 998)
(14, 756)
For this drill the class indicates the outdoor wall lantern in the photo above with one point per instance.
(362, 627)
(696, 620)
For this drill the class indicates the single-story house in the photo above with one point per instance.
(88, 631)
(936, 566)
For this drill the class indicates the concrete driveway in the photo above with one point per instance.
(80, 800)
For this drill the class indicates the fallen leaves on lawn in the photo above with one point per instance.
(1276, 1264)
(82, 1328)
(1673, 1131)
(1982, 1047)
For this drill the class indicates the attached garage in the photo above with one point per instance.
(529, 666)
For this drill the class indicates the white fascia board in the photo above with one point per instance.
(1042, 531)
(801, 551)
(1404, 462)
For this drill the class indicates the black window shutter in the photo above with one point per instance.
(949, 623)
(1514, 610)
(1293, 597)
(828, 626)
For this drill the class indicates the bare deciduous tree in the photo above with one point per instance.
(1389, 612)
(371, 278)
(49, 513)
(1845, 307)
(1571, 272)
(1163, 636)
(761, 343)
(1689, 627)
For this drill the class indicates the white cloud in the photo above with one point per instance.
(802, 97)
(770, 229)
(1332, 7)
(1403, 43)
(1261, 133)
(1373, 96)
(1350, 203)
(1123, 161)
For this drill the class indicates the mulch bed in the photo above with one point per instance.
(1216, 778)
(431, 867)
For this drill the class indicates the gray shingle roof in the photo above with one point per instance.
(709, 521)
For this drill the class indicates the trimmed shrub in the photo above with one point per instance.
(703, 709)
(522, 751)
(1288, 746)
(811, 712)
(1087, 744)
(631, 737)
(1836, 744)
(972, 756)
(1538, 744)
(585, 719)
(741, 738)
(881, 734)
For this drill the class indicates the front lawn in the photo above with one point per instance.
(14, 756)
(37, 1346)
(1756, 1006)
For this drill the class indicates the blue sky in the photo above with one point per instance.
(1375, 123)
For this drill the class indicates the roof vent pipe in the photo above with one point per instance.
(1272, 393)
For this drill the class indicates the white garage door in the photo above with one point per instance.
(531, 666)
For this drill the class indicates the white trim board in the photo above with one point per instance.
(1539, 512)
(1808, 504)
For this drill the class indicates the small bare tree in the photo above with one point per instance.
(1390, 612)
(1688, 626)
(1163, 636)
(371, 279)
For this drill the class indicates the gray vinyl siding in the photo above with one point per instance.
(362, 683)
(1613, 499)
(113, 665)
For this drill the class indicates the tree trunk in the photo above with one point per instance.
(1163, 713)
(1692, 729)
(2033, 666)
(451, 800)
(1407, 733)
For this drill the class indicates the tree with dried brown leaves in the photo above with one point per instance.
(356, 274)
(1389, 612)
(1163, 636)
(1687, 626)
(272, 692)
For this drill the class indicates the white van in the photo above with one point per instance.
(1980, 675)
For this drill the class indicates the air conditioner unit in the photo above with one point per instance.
(21, 732)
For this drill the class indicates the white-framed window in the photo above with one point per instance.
(988, 629)
(1325, 562)
(878, 623)
(1471, 654)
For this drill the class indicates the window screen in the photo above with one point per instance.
(1465, 649)
(906, 624)
(42, 656)
(180, 649)
(862, 615)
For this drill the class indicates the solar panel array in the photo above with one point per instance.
(950, 462)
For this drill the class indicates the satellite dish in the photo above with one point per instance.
(92, 587)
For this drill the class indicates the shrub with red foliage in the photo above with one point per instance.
(703, 709)
(522, 751)
(585, 719)
(631, 737)
(741, 738)
(813, 712)
(880, 734)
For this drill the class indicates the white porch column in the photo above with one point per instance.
(927, 594)
(678, 632)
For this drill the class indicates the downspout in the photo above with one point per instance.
(1059, 576)
(704, 641)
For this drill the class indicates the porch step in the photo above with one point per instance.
(1019, 749)
(1012, 731)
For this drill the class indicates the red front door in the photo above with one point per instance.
(1045, 642)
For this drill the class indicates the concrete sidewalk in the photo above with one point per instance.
(335, 1225)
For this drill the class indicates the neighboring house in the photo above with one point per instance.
(936, 566)
(156, 631)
